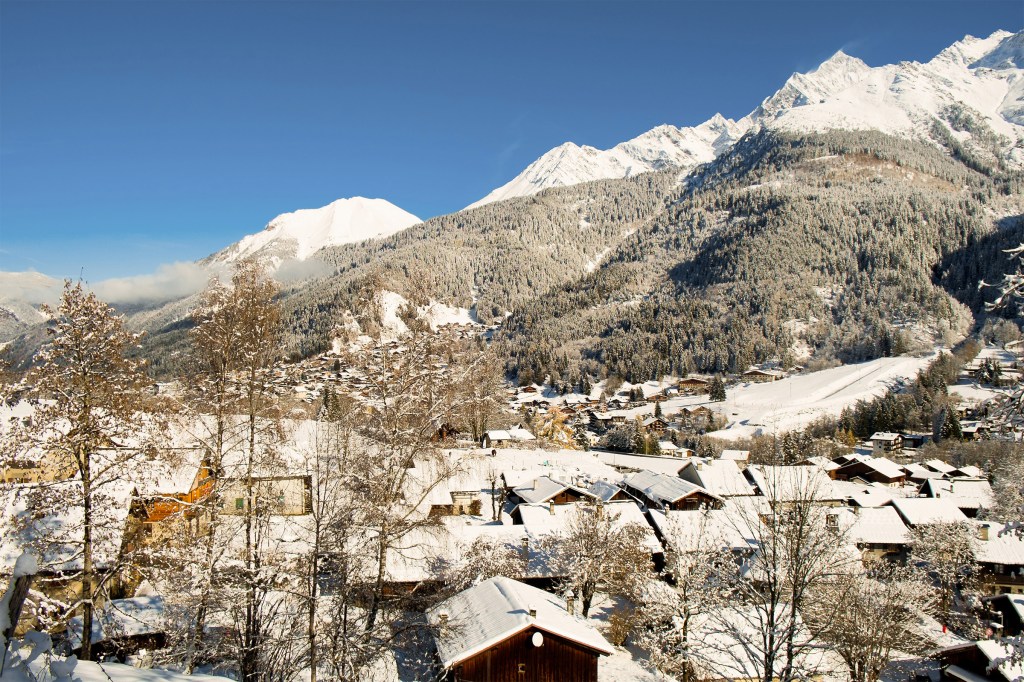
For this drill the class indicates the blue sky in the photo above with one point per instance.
(139, 133)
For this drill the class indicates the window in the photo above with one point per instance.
(522, 668)
(239, 503)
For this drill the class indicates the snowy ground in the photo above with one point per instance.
(789, 403)
(796, 401)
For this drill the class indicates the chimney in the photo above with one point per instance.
(442, 619)
(600, 510)
(551, 507)
(533, 611)
(700, 465)
(526, 548)
(570, 602)
(983, 532)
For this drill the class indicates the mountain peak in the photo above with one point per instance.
(300, 234)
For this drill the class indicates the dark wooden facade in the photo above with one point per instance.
(516, 659)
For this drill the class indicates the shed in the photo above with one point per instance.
(502, 629)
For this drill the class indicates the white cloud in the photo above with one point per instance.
(170, 282)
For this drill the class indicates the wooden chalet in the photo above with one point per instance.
(760, 376)
(502, 629)
(872, 470)
(693, 385)
(659, 491)
(547, 490)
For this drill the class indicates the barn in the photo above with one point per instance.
(504, 630)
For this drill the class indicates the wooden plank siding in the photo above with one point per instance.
(557, 660)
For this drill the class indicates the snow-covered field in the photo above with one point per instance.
(793, 402)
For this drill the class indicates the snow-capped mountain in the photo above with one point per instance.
(983, 76)
(666, 145)
(20, 296)
(300, 234)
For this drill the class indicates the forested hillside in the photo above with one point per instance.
(842, 240)
(493, 259)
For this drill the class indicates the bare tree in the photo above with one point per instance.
(797, 552)
(89, 428)
(947, 551)
(697, 556)
(869, 617)
(597, 552)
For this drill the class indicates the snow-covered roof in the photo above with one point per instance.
(691, 530)
(542, 520)
(735, 455)
(919, 473)
(792, 483)
(496, 609)
(866, 494)
(121, 618)
(879, 526)
(661, 488)
(965, 493)
(883, 466)
(718, 477)
(55, 535)
(665, 465)
(969, 471)
(603, 490)
(917, 511)
(939, 466)
(1003, 546)
(884, 436)
(543, 488)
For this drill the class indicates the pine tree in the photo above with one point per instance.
(716, 391)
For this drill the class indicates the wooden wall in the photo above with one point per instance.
(558, 660)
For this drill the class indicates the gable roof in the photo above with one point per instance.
(662, 488)
(965, 493)
(917, 511)
(543, 488)
(939, 466)
(718, 477)
(604, 491)
(880, 526)
(1004, 546)
(792, 483)
(496, 609)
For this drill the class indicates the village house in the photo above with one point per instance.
(693, 385)
(885, 442)
(659, 491)
(970, 495)
(999, 552)
(879, 533)
(502, 629)
(872, 470)
(760, 376)
(719, 477)
(547, 490)
(503, 437)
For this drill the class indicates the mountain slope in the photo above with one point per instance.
(300, 234)
(830, 242)
(982, 74)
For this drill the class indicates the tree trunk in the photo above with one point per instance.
(87, 569)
